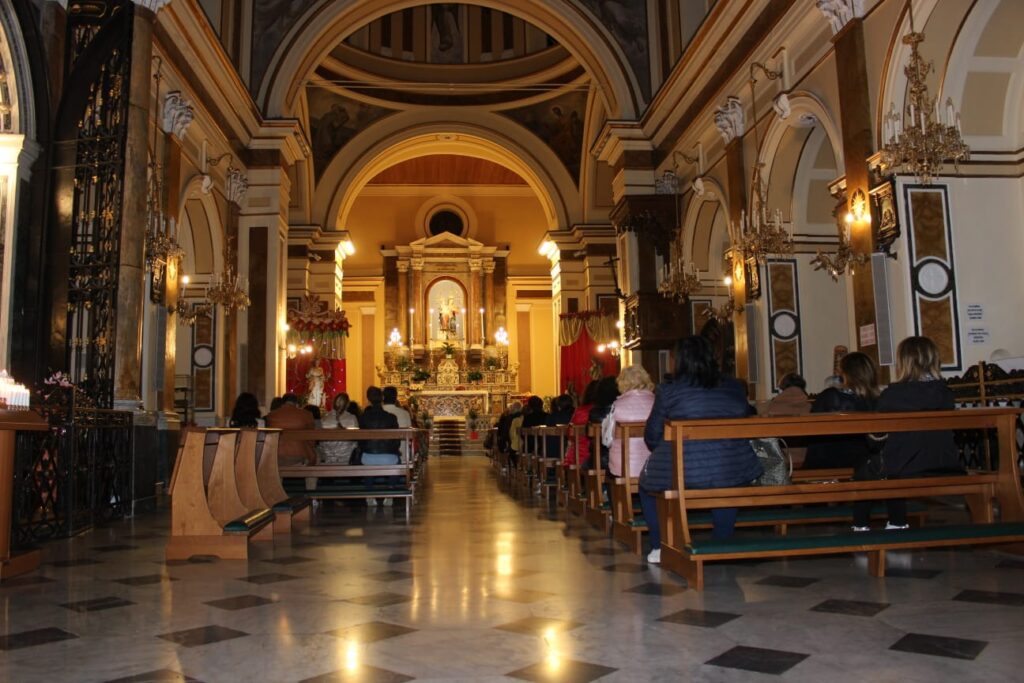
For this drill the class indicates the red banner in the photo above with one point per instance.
(581, 363)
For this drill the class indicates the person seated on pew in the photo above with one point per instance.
(404, 418)
(533, 416)
(792, 397)
(289, 416)
(505, 426)
(379, 451)
(246, 412)
(581, 417)
(918, 387)
(607, 392)
(338, 452)
(697, 392)
(636, 398)
(856, 393)
(315, 412)
(562, 410)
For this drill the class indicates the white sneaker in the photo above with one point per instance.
(861, 528)
(388, 502)
(889, 526)
(371, 502)
(654, 557)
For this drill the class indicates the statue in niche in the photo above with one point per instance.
(316, 380)
(448, 319)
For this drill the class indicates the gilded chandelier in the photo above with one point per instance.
(227, 289)
(680, 279)
(926, 134)
(161, 247)
(761, 232)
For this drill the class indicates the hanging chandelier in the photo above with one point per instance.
(679, 279)
(926, 134)
(845, 258)
(227, 289)
(761, 232)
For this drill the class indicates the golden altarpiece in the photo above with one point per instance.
(445, 312)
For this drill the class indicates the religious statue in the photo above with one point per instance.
(447, 318)
(316, 379)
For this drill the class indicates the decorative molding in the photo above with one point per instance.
(781, 106)
(177, 115)
(153, 6)
(840, 12)
(729, 119)
(238, 186)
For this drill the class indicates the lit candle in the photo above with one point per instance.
(411, 311)
(483, 329)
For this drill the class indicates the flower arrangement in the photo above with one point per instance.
(420, 375)
(475, 376)
(448, 349)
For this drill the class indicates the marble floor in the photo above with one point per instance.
(481, 587)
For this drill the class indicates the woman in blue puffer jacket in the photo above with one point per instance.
(698, 392)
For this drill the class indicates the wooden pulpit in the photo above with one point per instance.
(10, 423)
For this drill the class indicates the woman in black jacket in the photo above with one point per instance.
(857, 394)
(918, 387)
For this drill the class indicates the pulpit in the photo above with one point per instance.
(12, 422)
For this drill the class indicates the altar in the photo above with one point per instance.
(453, 403)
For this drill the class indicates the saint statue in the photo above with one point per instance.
(447, 318)
(316, 379)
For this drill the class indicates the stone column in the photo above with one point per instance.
(417, 302)
(131, 274)
(16, 158)
(736, 178)
(855, 119)
(488, 336)
(263, 257)
(403, 300)
(472, 321)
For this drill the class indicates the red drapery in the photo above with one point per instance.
(335, 382)
(581, 361)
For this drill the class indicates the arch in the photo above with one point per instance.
(704, 219)
(967, 70)
(804, 106)
(198, 236)
(406, 136)
(327, 22)
(15, 62)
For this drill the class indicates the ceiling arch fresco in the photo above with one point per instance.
(410, 135)
(607, 37)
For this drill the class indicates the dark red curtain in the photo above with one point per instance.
(581, 358)
(337, 381)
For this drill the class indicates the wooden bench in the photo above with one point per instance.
(409, 467)
(545, 463)
(207, 515)
(595, 510)
(683, 554)
(259, 482)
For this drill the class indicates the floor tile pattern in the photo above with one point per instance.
(481, 587)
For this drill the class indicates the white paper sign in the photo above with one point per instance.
(978, 335)
(867, 335)
(975, 312)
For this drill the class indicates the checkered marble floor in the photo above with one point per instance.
(482, 588)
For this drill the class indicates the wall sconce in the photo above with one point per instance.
(611, 347)
(547, 248)
(858, 212)
(348, 247)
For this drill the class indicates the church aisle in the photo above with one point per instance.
(483, 588)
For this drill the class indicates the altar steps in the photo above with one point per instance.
(448, 437)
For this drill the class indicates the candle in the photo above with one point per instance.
(411, 311)
(483, 329)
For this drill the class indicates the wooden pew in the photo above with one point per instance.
(682, 554)
(409, 467)
(547, 463)
(207, 515)
(596, 511)
(575, 497)
(627, 527)
(259, 482)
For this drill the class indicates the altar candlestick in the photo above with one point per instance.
(411, 311)
(483, 332)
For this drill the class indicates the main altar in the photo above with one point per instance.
(447, 348)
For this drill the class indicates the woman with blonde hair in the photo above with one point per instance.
(636, 396)
(918, 387)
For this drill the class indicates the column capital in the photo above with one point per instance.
(488, 267)
(402, 265)
(178, 113)
(840, 12)
(730, 120)
(237, 186)
(475, 264)
(416, 263)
